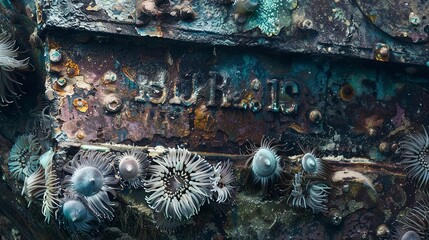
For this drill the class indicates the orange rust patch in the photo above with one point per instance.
(72, 68)
(80, 104)
(205, 121)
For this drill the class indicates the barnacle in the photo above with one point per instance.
(223, 182)
(93, 177)
(415, 157)
(264, 162)
(75, 214)
(23, 156)
(179, 184)
(132, 167)
(9, 86)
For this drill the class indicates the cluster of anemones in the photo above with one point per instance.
(179, 183)
(312, 194)
(268, 170)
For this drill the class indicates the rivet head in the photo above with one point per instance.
(55, 55)
(384, 147)
(381, 52)
(382, 230)
(62, 82)
(109, 77)
(113, 104)
(315, 116)
(256, 84)
(414, 19)
(372, 132)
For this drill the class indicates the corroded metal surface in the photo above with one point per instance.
(400, 19)
(328, 28)
(212, 98)
(111, 88)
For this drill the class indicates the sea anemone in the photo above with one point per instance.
(34, 185)
(223, 182)
(76, 215)
(179, 183)
(43, 183)
(23, 156)
(315, 166)
(93, 177)
(8, 63)
(415, 157)
(314, 196)
(297, 194)
(52, 184)
(317, 196)
(415, 220)
(264, 162)
(132, 167)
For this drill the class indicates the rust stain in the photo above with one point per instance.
(80, 104)
(205, 121)
(72, 68)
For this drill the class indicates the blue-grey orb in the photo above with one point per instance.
(264, 163)
(74, 211)
(88, 180)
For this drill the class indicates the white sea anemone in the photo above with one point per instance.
(179, 184)
(8, 64)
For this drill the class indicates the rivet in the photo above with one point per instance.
(62, 82)
(315, 116)
(384, 147)
(113, 104)
(109, 77)
(55, 55)
(381, 52)
(306, 24)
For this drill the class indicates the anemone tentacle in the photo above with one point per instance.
(8, 63)
(93, 177)
(297, 194)
(223, 182)
(416, 219)
(34, 185)
(415, 157)
(179, 184)
(317, 196)
(132, 167)
(52, 182)
(23, 156)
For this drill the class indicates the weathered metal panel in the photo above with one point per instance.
(329, 28)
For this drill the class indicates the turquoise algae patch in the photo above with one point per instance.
(271, 16)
